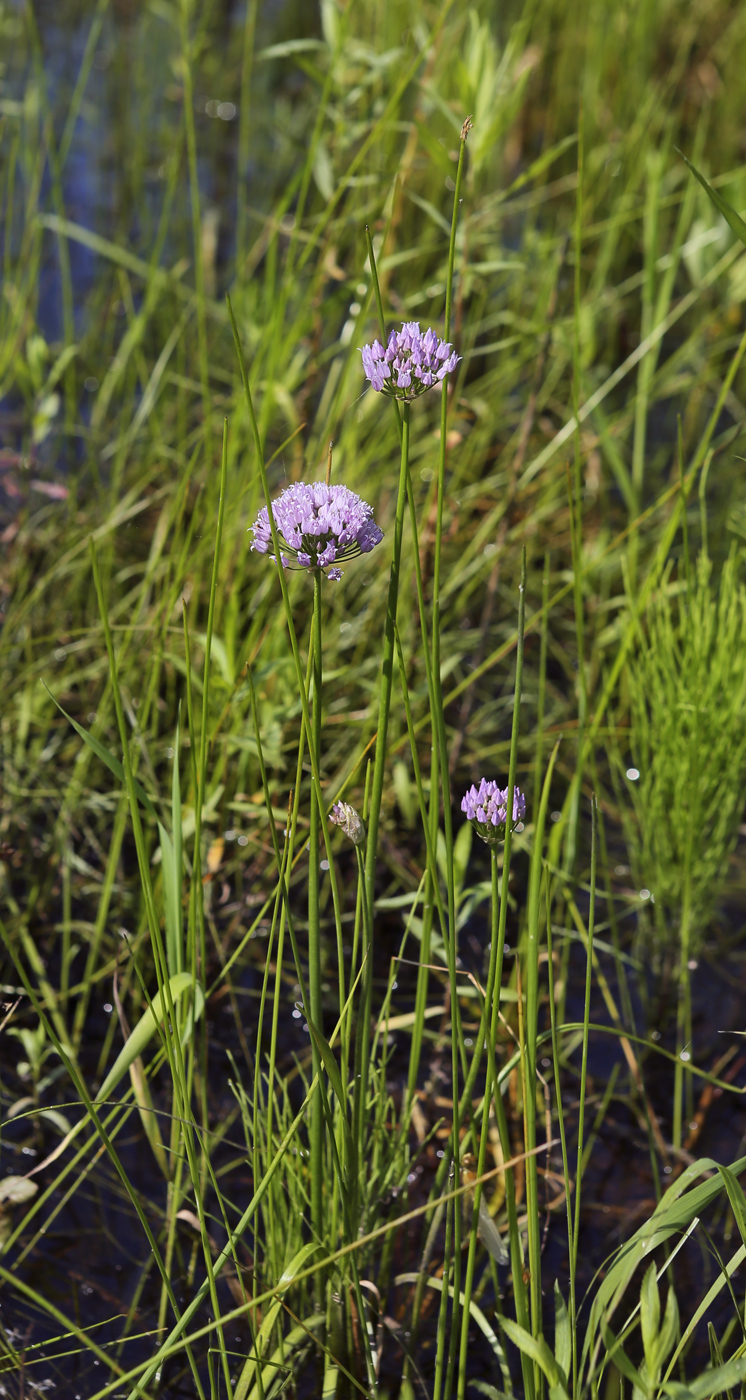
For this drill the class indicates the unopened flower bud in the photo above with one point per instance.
(346, 818)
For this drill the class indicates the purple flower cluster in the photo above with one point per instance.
(411, 362)
(487, 807)
(318, 525)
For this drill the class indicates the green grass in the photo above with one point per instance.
(293, 1198)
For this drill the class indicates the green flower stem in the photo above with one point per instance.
(283, 865)
(491, 1007)
(424, 969)
(202, 763)
(314, 930)
(199, 271)
(200, 1173)
(492, 997)
(442, 1350)
(533, 933)
(539, 754)
(432, 865)
(300, 681)
(384, 706)
(358, 1100)
(581, 1108)
(560, 1115)
(442, 749)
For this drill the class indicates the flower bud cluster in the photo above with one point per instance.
(486, 807)
(411, 362)
(319, 526)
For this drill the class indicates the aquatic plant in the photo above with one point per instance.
(686, 769)
(297, 1201)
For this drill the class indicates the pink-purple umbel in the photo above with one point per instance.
(412, 362)
(318, 526)
(486, 807)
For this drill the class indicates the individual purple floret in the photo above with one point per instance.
(412, 362)
(487, 807)
(318, 525)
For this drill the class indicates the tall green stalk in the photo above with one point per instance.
(314, 931)
(575, 492)
(244, 133)
(185, 8)
(531, 972)
(423, 970)
(292, 635)
(581, 1107)
(491, 1007)
(384, 706)
(442, 761)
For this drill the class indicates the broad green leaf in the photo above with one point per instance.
(537, 1349)
(708, 1300)
(335, 1079)
(616, 1354)
(736, 1198)
(650, 1317)
(168, 861)
(538, 166)
(476, 1312)
(716, 1355)
(148, 1117)
(461, 853)
(59, 367)
(562, 1334)
(329, 1387)
(290, 47)
(178, 850)
(103, 753)
(710, 1382)
(723, 207)
(336, 1342)
(53, 1115)
(673, 1214)
(219, 654)
(490, 1236)
(258, 1351)
(670, 1330)
(172, 862)
(441, 857)
(17, 1189)
(249, 1373)
(138, 1039)
(277, 1366)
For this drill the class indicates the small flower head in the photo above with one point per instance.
(486, 807)
(346, 818)
(412, 362)
(319, 526)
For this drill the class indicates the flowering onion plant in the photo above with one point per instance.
(486, 807)
(412, 362)
(319, 526)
